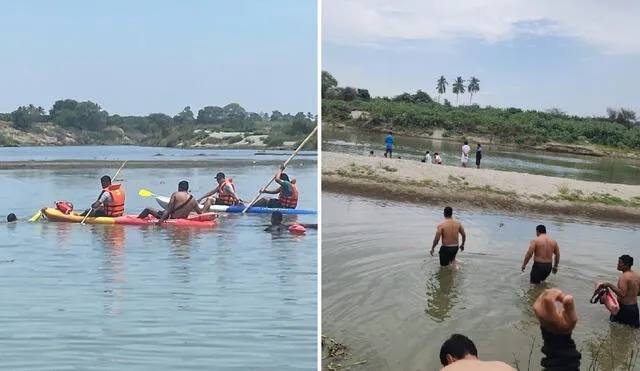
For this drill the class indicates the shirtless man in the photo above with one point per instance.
(543, 249)
(458, 353)
(627, 290)
(448, 230)
(181, 204)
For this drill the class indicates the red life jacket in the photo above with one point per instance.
(289, 202)
(226, 198)
(116, 206)
(64, 206)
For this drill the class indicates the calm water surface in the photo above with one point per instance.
(495, 157)
(137, 153)
(154, 298)
(387, 298)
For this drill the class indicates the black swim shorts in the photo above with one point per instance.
(628, 315)
(540, 272)
(447, 254)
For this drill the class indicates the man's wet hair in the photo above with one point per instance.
(183, 186)
(457, 346)
(448, 211)
(105, 180)
(626, 260)
(11, 218)
(541, 229)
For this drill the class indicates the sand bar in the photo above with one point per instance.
(491, 190)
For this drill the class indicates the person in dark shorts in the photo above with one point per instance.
(627, 291)
(543, 249)
(478, 155)
(448, 231)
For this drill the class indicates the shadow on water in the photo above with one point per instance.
(442, 293)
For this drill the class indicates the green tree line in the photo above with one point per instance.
(418, 112)
(88, 117)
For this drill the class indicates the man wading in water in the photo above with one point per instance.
(448, 230)
(627, 290)
(542, 248)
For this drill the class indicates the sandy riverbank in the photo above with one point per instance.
(416, 182)
(147, 164)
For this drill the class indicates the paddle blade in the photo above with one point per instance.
(145, 193)
(35, 216)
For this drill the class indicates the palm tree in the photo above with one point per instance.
(458, 88)
(474, 87)
(442, 86)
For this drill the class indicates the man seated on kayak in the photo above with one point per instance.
(110, 203)
(11, 218)
(181, 204)
(288, 193)
(226, 191)
(277, 226)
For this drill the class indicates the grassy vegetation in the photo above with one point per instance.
(88, 123)
(419, 114)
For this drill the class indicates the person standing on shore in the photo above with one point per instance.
(478, 155)
(448, 230)
(427, 158)
(465, 153)
(543, 249)
(437, 159)
(627, 291)
(389, 144)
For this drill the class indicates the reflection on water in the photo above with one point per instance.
(611, 170)
(391, 302)
(156, 297)
(441, 293)
(617, 349)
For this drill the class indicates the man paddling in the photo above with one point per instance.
(543, 249)
(226, 191)
(627, 290)
(181, 204)
(277, 226)
(288, 193)
(110, 203)
(448, 230)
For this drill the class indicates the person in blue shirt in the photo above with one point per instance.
(389, 142)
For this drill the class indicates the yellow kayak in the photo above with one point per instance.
(201, 220)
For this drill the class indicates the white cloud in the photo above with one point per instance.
(610, 25)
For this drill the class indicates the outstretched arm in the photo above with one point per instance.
(208, 194)
(436, 239)
(529, 254)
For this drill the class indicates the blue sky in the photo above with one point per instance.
(144, 56)
(575, 55)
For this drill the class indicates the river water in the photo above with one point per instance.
(384, 296)
(138, 298)
(609, 170)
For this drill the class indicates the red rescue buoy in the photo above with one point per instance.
(297, 229)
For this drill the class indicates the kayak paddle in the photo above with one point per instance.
(283, 167)
(147, 193)
(36, 216)
(115, 176)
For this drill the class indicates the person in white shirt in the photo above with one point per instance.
(427, 158)
(465, 153)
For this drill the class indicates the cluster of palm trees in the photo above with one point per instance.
(459, 87)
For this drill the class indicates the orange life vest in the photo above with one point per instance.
(116, 206)
(289, 202)
(226, 198)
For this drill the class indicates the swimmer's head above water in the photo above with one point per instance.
(12, 218)
(457, 347)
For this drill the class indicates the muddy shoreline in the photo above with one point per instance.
(488, 190)
(144, 164)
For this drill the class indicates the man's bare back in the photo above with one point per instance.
(449, 230)
(180, 210)
(544, 247)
